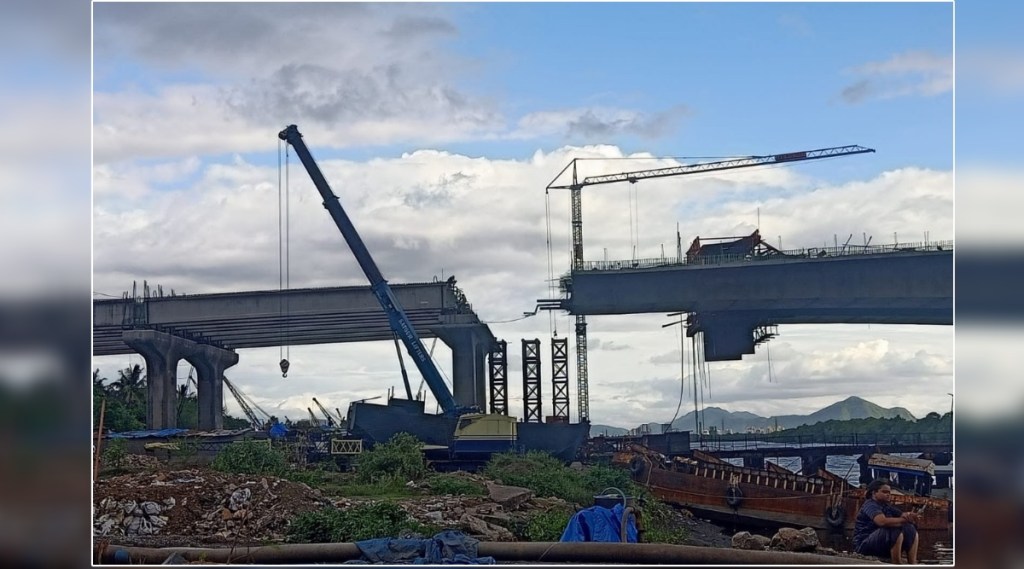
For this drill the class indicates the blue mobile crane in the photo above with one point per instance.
(475, 433)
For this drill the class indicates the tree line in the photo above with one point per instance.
(932, 426)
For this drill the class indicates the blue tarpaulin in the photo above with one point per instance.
(278, 431)
(598, 523)
(447, 547)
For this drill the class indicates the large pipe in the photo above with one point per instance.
(555, 552)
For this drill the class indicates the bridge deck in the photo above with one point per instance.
(257, 319)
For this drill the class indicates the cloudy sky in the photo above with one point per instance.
(439, 126)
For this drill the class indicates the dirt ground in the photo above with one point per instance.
(152, 505)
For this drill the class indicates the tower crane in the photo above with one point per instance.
(575, 196)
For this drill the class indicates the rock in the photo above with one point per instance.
(238, 498)
(169, 503)
(509, 497)
(434, 516)
(226, 514)
(475, 526)
(150, 508)
(746, 540)
(789, 539)
(128, 506)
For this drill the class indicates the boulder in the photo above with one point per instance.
(747, 540)
(509, 497)
(789, 539)
(475, 526)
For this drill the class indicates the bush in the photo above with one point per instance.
(400, 457)
(446, 484)
(540, 472)
(115, 453)
(369, 521)
(546, 526)
(251, 457)
(600, 478)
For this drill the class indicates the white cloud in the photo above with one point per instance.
(913, 73)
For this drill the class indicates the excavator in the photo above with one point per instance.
(475, 435)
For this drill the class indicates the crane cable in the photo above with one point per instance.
(551, 263)
(283, 253)
(682, 371)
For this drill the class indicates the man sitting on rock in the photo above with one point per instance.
(882, 530)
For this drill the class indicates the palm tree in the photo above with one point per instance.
(97, 382)
(129, 384)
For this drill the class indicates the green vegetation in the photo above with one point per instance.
(542, 473)
(454, 485)
(114, 454)
(251, 457)
(369, 521)
(658, 520)
(932, 427)
(399, 458)
(544, 526)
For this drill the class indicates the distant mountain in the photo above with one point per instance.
(739, 421)
(849, 408)
(606, 430)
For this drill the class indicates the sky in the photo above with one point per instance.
(440, 125)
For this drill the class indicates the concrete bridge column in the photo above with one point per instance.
(753, 461)
(162, 353)
(811, 462)
(210, 363)
(469, 350)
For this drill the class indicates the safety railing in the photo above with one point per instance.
(806, 253)
(767, 441)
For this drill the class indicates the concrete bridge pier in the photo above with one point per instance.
(753, 461)
(469, 351)
(210, 363)
(810, 463)
(162, 352)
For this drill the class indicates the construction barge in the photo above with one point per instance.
(375, 423)
(774, 496)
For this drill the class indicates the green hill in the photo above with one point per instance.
(739, 421)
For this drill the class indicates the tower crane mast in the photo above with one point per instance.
(576, 202)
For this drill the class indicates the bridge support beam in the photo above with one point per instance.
(162, 352)
(753, 461)
(469, 351)
(210, 363)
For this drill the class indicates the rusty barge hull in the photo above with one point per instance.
(726, 492)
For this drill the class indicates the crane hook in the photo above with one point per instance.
(284, 368)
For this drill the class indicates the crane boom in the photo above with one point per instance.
(331, 422)
(397, 318)
(743, 162)
(249, 413)
(576, 205)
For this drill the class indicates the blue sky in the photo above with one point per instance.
(439, 125)
(733, 79)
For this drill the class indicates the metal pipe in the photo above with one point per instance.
(555, 552)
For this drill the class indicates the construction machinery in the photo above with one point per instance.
(576, 186)
(260, 420)
(331, 421)
(463, 431)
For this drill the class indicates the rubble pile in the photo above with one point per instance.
(204, 505)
